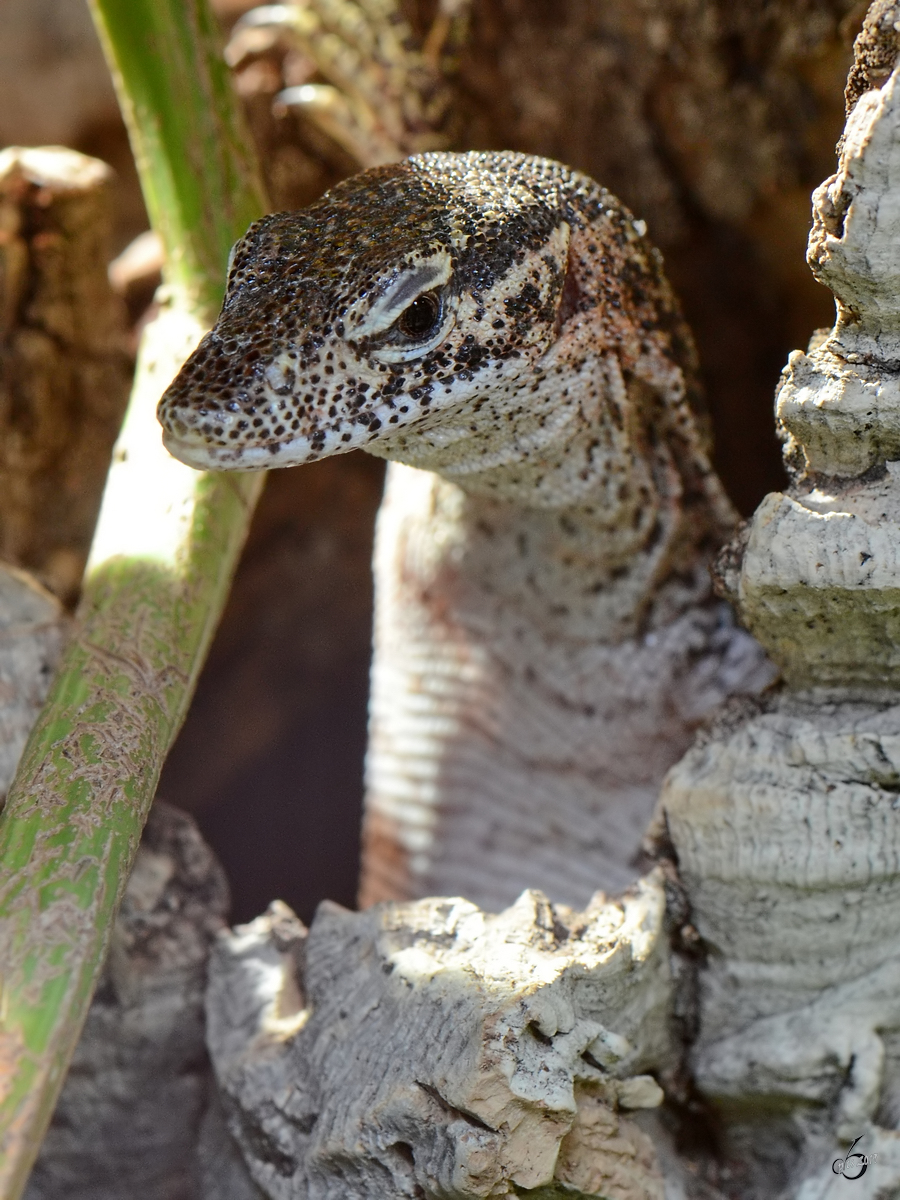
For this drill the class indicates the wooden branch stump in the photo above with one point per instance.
(64, 372)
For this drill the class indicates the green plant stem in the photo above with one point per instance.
(166, 546)
(198, 172)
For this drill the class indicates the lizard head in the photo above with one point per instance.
(394, 310)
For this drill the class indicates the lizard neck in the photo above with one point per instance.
(565, 572)
(517, 573)
(569, 502)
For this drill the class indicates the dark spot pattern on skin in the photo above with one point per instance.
(292, 371)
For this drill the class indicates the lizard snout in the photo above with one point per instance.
(208, 409)
(249, 403)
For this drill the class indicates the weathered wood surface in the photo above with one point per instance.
(65, 372)
(785, 819)
(432, 1049)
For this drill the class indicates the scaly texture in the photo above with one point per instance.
(545, 637)
(711, 119)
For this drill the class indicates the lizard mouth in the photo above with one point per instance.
(203, 457)
(285, 452)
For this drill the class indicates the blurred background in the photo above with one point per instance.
(711, 119)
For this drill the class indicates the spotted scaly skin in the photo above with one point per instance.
(546, 641)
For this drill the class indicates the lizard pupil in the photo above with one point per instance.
(421, 317)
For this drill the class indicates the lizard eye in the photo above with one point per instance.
(422, 317)
(409, 326)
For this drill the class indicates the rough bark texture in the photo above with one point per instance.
(64, 373)
(785, 823)
(785, 819)
(128, 1119)
(33, 631)
(431, 1049)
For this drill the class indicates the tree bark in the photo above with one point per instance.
(335, 1051)
(64, 371)
(784, 819)
(432, 1049)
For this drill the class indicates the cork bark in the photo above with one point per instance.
(432, 1049)
(784, 819)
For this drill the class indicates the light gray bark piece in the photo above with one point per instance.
(819, 581)
(785, 818)
(221, 1171)
(33, 630)
(786, 827)
(127, 1121)
(787, 831)
(433, 1050)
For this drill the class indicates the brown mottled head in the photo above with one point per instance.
(406, 294)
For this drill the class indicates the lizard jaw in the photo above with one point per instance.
(204, 458)
(290, 452)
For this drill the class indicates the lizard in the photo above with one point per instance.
(546, 640)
